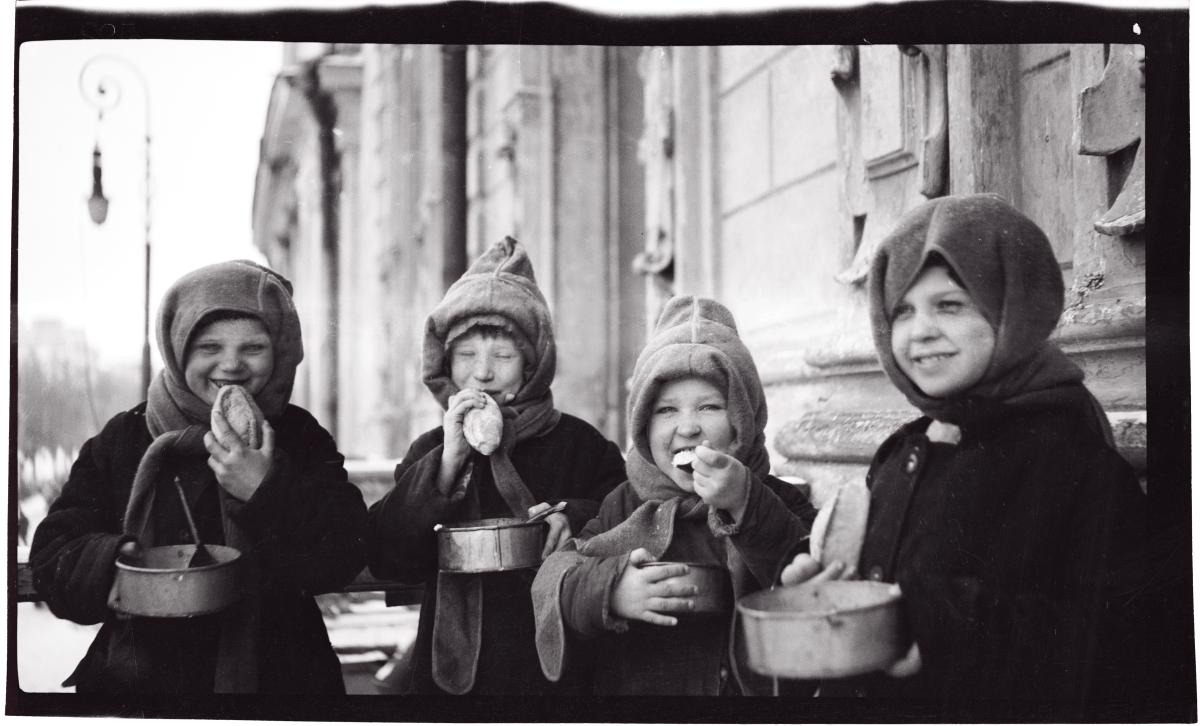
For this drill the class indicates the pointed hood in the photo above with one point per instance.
(696, 338)
(498, 290)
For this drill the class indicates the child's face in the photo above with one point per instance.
(939, 338)
(492, 364)
(686, 412)
(226, 352)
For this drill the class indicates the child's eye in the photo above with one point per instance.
(464, 354)
(712, 407)
(254, 349)
(950, 306)
(902, 312)
(662, 410)
(208, 348)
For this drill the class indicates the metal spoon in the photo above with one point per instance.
(201, 557)
(546, 512)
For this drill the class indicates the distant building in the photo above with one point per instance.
(761, 175)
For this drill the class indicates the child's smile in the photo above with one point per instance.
(686, 413)
(939, 338)
(228, 352)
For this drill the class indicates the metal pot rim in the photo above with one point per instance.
(491, 525)
(698, 565)
(889, 599)
(122, 565)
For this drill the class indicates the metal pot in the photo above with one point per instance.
(714, 589)
(824, 630)
(490, 545)
(161, 585)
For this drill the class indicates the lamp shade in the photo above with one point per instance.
(98, 206)
(97, 203)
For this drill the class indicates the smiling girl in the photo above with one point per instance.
(286, 505)
(695, 388)
(1015, 530)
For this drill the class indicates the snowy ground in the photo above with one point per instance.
(364, 636)
(48, 648)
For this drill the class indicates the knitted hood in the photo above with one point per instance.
(1007, 266)
(238, 286)
(696, 338)
(498, 290)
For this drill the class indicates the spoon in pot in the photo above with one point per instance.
(201, 557)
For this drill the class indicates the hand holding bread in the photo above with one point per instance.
(484, 427)
(720, 480)
(841, 526)
(457, 445)
(836, 539)
(240, 443)
(241, 413)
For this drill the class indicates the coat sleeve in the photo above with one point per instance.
(774, 527)
(588, 581)
(306, 519)
(400, 540)
(75, 546)
(571, 593)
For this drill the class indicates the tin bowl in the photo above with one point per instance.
(498, 544)
(159, 584)
(714, 589)
(828, 629)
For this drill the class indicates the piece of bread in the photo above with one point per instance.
(241, 413)
(484, 427)
(841, 525)
(684, 459)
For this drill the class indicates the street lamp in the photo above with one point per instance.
(97, 203)
(103, 92)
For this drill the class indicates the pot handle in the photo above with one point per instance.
(546, 513)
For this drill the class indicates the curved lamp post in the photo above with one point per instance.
(102, 90)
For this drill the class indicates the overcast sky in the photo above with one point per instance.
(208, 103)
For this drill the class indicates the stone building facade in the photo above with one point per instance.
(761, 175)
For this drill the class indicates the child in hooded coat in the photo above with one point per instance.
(695, 387)
(287, 506)
(490, 335)
(1012, 526)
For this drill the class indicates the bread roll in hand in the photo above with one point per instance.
(241, 413)
(840, 526)
(484, 427)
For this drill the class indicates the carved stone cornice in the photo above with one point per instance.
(852, 437)
(1085, 328)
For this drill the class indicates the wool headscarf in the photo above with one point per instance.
(693, 338)
(1007, 266)
(240, 287)
(178, 419)
(498, 290)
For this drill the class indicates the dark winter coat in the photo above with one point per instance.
(572, 463)
(690, 658)
(306, 521)
(1019, 552)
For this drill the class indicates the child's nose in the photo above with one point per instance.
(689, 425)
(925, 327)
(483, 370)
(231, 361)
